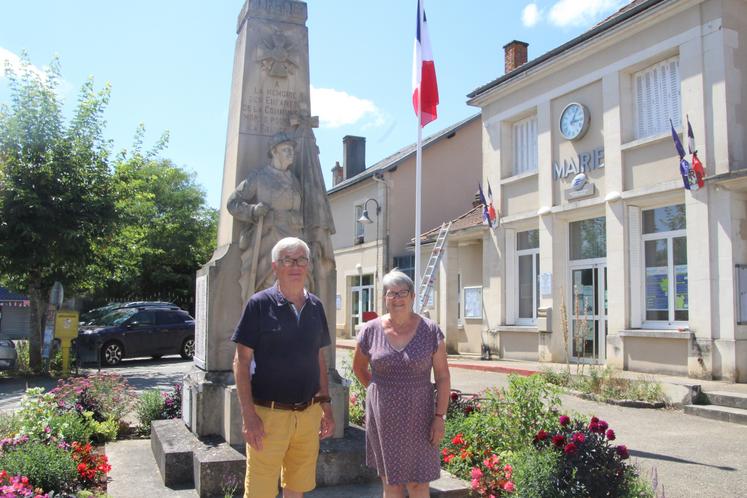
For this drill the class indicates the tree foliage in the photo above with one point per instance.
(56, 199)
(164, 232)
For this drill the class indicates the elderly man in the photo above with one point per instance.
(284, 399)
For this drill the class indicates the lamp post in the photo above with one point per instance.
(366, 220)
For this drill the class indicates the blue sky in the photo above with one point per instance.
(170, 62)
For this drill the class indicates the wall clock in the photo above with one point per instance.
(574, 121)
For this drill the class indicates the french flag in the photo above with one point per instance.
(424, 86)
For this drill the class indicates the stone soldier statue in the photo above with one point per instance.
(268, 201)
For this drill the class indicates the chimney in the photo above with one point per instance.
(337, 174)
(353, 155)
(516, 54)
(476, 200)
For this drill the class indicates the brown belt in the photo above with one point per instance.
(295, 407)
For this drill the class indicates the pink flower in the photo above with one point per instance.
(610, 434)
(353, 398)
(579, 437)
(509, 487)
(564, 420)
(476, 473)
(475, 484)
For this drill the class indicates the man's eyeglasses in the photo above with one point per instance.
(287, 261)
(392, 294)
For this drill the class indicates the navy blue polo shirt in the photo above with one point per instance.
(286, 347)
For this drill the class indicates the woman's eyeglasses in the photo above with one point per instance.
(287, 261)
(392, 294)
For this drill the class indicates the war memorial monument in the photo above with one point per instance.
(272, 188)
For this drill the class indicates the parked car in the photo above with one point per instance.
(8, 355)
(90, 316)
(133, 332)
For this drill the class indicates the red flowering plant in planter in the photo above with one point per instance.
(18, 487)
(489, 477)
(590, 464)
(92, 467)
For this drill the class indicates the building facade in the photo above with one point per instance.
(364, 252)
(601, 255)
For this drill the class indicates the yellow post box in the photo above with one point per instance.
(66, 329)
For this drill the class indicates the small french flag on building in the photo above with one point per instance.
(424, 86)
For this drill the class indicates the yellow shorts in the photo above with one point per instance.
(289, 452)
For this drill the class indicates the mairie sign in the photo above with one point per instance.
(585, 161)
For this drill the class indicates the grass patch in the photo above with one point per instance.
(606, 383)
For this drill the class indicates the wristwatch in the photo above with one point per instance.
(442, 416)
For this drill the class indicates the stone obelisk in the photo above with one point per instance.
(269, 95)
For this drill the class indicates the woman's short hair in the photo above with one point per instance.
(396, 278)
(289, 244)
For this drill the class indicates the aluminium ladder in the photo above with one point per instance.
(426, 283)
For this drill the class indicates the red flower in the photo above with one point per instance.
(468, 409)
(579, 437)
(569, 449)
(610, 434)
(594, 427)
(541, 435)
(458, 439)
(603, 426)
(558, 440)
(564, 420)
(594, 420)
(454, 396)
(449, 457)
(622, 450)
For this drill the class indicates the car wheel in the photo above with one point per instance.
(112, 353)
(188, 348)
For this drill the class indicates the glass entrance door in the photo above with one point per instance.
(362, 300)
(588, 311)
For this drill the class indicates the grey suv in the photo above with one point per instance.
(135, 332)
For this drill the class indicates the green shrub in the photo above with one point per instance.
(557, 377)
(69, 427)
(357, 394)
(502, 422)
(533, 473)
(46, 465)
(149, 408)
(22, 364)
(105, 431)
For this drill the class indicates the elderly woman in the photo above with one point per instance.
(394, 357)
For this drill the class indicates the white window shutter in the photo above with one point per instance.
(512, 281)
(525, 145)
(657, 98)
(637, 291)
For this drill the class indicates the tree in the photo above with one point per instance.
(56, 199)
(164, 232)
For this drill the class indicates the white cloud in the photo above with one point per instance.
(581, 12)
(531, 15)
(336, 108)
(6, 56)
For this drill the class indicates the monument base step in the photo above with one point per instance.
(208, 463)
(723, 413)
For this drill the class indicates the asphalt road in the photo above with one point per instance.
(693, 457)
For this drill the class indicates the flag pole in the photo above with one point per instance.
(418, 165)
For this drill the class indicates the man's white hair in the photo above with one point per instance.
(289, 244)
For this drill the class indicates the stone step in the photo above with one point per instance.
(723, 413)
(726, 398)
(447, 487)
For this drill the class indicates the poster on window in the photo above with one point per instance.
(473, 302)
(680, 282)
(657, 288)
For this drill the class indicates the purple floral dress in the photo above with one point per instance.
(400, 404)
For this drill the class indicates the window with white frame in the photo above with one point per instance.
(406, 264)
(525, 145)
(665, 264)
(360, 229)
(527, 251)
(657, 98)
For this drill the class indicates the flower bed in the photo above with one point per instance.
(512, 442)
(48, 446)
